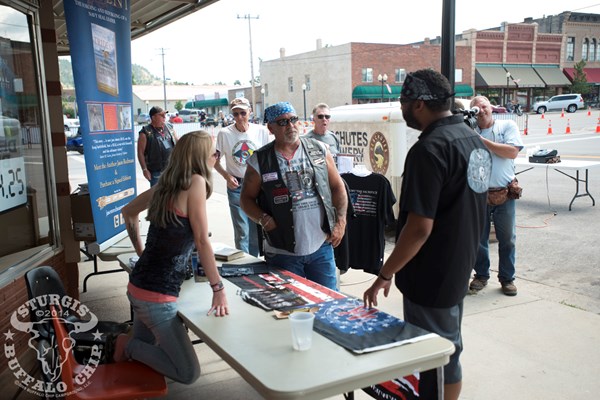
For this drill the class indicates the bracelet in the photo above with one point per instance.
(219, 289)
(144, 169)
(260, 220)
(383, 277)
(218, 286)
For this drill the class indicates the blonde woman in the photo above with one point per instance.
(178, 223)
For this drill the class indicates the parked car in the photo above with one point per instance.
(188, 115)
(75, 143)
(210, 121)
(143, 118)
(569, 102)
(71, 125)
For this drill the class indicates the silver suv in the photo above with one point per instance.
(569, 102)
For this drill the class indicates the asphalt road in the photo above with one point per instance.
(555, 247)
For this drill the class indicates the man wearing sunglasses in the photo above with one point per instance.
(293, 190)
(236, 143)
(321, 117)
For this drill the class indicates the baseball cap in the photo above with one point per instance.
(240, 102)
(156, 110)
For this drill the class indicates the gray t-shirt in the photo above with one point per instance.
(328, 138)
(299, 177)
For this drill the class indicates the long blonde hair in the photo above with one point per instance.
(189, 156)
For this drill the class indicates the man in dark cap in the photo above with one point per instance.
(293, 191)
(442, 214)
(155, 143)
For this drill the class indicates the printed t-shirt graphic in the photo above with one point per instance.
(242, 151)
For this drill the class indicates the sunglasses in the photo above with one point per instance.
(216, 154)
(284, 122)
(242, 113)
(321, 116)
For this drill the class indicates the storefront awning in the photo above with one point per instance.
(207, 103)
(524, 77)
(490, 77)
(552, 76)
(374, 92)
(592, 74)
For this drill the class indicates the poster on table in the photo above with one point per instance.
(100, 41)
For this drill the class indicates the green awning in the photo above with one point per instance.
(198, 104)
(374, 91)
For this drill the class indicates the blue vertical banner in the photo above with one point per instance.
(99, 34)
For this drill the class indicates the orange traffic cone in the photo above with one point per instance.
(589, 111)
(598, 126)
(543, 115)
(568, 130)
(562, 114)
(549, 127)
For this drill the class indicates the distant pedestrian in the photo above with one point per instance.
(321, 117)
(236, 143)
(294, 192)
(442, 213)
(155, 143)
(503, 140)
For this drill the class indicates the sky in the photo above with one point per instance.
(212, 45)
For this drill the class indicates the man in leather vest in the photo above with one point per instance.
(155, 143)
(293, 191)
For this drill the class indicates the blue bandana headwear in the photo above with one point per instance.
(278, 109)
(415, 88)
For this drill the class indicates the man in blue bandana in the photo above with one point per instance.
(293, 191)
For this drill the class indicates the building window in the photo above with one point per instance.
(291, 85)
(584, 49)
(593, 49)
(458, 75)
(24, 179)
(367, 75)
(570, 49)
(307, 81)
(400, 75)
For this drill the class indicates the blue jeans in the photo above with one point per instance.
(154, 177)
(244, 229)
(504, 220)
(161, 341)
(318, 267)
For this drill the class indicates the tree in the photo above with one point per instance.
(580, 83)
(178, 105)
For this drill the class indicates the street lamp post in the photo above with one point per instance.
(147, 105)
(262, 94)
(383, 79)
(507, 85)
(304, 95)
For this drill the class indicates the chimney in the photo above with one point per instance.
(427, 41)
(319, 44)
(282, 52)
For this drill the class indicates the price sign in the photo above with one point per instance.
(13, 188)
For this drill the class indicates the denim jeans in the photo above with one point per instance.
(244, 229)
(161, 341)
(154, 177)
(318, 267)
(504, 220)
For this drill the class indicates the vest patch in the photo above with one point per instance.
(271, 176)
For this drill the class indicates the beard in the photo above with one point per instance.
(410, 119)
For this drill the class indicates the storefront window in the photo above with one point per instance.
(24, 207)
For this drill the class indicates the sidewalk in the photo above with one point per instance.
(541, 344)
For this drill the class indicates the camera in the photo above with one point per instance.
(469, 115)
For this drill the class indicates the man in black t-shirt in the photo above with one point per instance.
(442, 213)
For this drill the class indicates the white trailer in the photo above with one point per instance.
(376, 136)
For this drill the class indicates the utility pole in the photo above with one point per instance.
(162, 53)
(249, 18)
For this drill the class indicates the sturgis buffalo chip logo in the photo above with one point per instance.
(379, 153)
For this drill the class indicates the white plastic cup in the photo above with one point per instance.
(302, 329)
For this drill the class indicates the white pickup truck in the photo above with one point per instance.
(71, 125)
